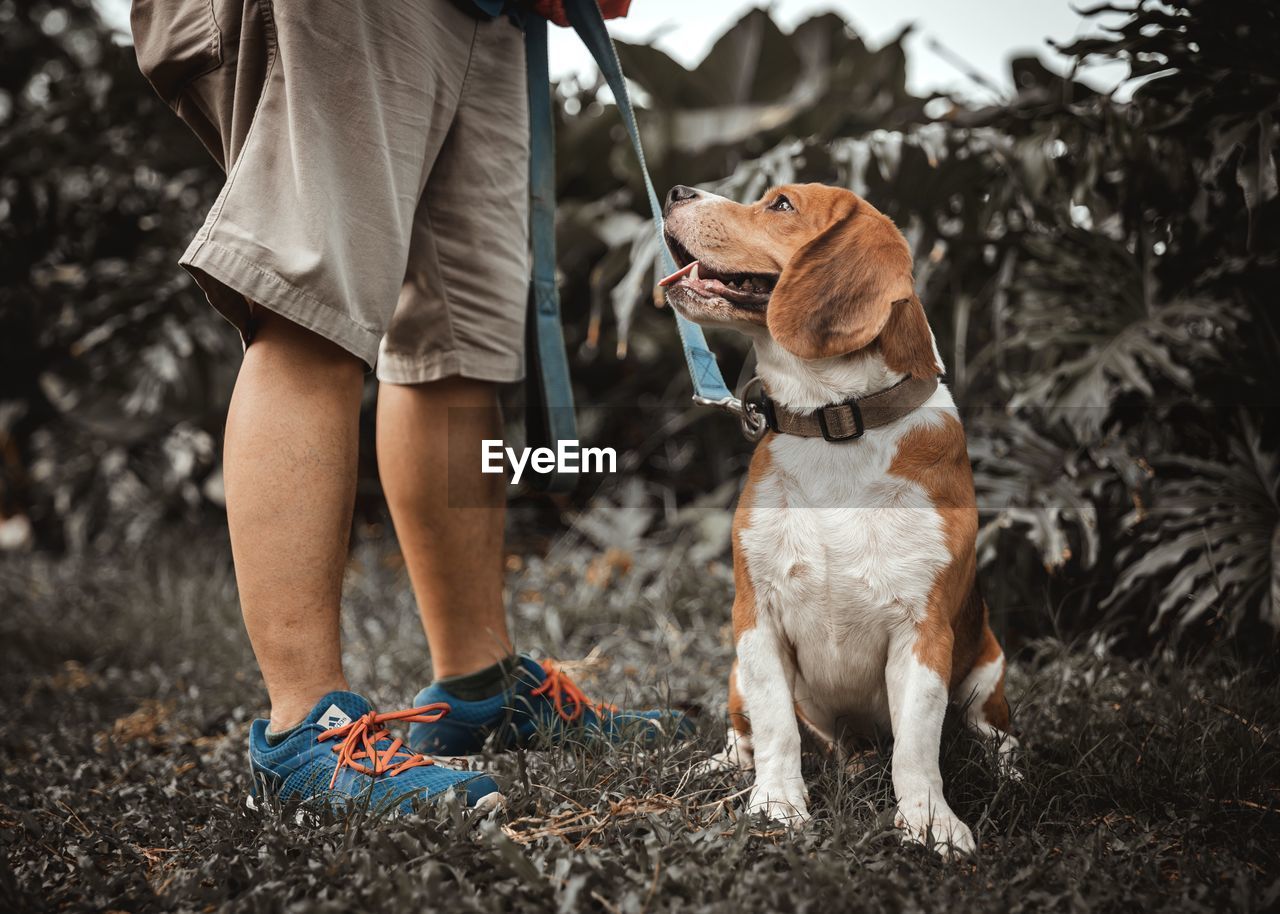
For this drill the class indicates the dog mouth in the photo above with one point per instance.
(749, 291)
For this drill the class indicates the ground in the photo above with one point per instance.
(128, 685)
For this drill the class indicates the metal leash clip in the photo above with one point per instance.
(750, 419)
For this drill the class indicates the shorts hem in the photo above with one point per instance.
(410, 369)
(230, 281)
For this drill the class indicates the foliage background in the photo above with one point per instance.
(1099, 274)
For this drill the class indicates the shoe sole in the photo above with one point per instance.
(486, 804)
(487, 761)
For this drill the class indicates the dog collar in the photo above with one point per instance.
(848, 420)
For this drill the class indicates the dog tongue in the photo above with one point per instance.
(678, 274)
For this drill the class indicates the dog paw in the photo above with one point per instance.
(779, 804)
(720, 763)
(934, 826)
(1008, 755)
(737, 756)
(1007, 768)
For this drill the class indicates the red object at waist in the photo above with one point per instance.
(554, 9)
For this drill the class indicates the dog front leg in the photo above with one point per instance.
(767, 682)
(917, 705)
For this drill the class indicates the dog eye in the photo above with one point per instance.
(781, 204)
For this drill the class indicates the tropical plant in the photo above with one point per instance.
(1212, 544)
(1093, 334)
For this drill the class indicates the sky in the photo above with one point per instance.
(984, 33)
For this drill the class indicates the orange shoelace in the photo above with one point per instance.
(564, 691)
(362, 735)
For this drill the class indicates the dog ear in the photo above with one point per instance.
(838, 291)
(906, 343)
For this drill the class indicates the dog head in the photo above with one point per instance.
(817, 269)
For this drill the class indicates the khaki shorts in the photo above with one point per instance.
(377, 172)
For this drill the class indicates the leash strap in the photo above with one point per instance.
(584, 15)
(547, 387)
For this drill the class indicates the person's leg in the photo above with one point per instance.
(290, 472)
(457, 334)
(448, 515)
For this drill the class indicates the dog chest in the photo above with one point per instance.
(836, 566)
(844, 541)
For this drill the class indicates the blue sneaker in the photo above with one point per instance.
(541, 707)
(342, 757)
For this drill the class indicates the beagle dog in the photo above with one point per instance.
(857, 606)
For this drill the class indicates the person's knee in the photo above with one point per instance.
(453, 391)
(280, 340)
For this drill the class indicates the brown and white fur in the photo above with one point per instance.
(856, 607)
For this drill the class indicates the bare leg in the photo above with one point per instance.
(290, 466)
(453, 551)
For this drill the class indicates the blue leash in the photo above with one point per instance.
(548, 389)
(549, 368)
(586, 21)
(584, 16)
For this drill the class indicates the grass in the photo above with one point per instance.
(127, 684)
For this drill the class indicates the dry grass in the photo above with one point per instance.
(128, 684)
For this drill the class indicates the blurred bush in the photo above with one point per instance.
(113, 375)
(1099, 274)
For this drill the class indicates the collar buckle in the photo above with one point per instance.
(859, 426)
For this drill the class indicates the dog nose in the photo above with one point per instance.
(679, 194)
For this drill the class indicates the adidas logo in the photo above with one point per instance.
(334, 717)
